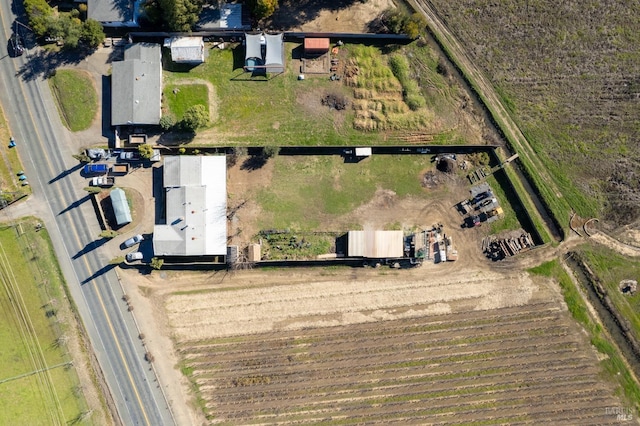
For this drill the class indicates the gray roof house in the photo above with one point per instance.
(136, 86)
(196, 207)
(113, 13)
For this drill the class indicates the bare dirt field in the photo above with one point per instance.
(322, 16)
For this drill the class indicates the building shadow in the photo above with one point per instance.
(158, 194)
(107, 130)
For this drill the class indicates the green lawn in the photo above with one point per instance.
(179, 97)
(32, 282)
(76, 96)
(10, 165)
(304, 188)
(281, 110)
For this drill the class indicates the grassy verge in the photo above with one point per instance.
(37, 384)
(10, 165)
(612, 268)
(76, 97)
(180, 97)
(612, 364)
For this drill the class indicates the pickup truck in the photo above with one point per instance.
(103, 181)
(129, 156)
(95, 169)
(120, 169)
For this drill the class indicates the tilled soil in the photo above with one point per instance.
(511, 364)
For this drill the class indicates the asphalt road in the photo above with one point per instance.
(67, 212)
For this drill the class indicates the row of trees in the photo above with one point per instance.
(66, 26)
(182, 15)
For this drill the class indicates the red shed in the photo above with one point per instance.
(316, 46)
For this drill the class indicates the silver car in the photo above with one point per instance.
(133, 241)
(136, 255)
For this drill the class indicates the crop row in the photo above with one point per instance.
(455, 386)
(367, 378)
(406, 358)
(352, 382)
(466, 333)
(393, 343)
(544, 400)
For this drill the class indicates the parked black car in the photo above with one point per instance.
(15, 45)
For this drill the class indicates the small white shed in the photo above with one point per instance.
(186, 50)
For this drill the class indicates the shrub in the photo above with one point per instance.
(108, 234)
(195, 117)
(156, 263)
(167, 122)
(270, 151)
(415, 101)
(145, 150)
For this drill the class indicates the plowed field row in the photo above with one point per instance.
(524, 364)
(393, 343)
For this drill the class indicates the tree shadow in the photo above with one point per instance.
(293, 13)
(66, 173)
(75, 204)
(176, 137)
(255, 162)
(89, 247)
(43, 64)
(98, 273)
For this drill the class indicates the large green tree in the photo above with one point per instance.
(92, 33)
(262, 8)
(180, 15)
(39, 13)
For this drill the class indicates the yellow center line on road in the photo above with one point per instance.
(38, 138)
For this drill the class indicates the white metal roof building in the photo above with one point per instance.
(375, 244)
(189, 50)
(120, 205)
(196, 207)
(253, 46)
(136, 86)
(275, 53)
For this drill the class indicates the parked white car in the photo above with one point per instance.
(136, 255)
(133, 241)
